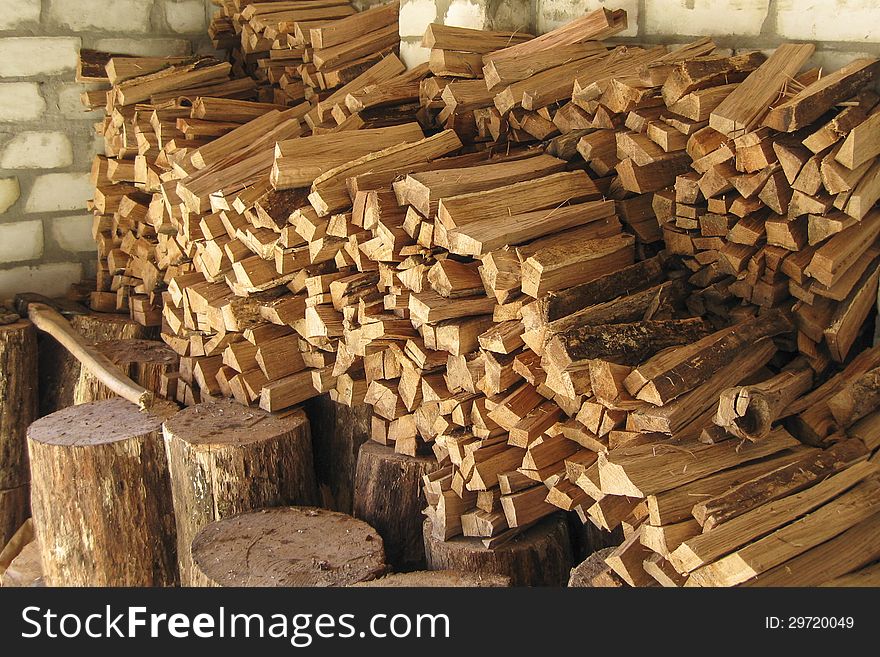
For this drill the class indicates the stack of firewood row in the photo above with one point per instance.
(150, 127)
(304, 50)
(777, 202)
(500, 293)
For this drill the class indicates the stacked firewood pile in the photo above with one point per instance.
(303, 50)
(565, 270)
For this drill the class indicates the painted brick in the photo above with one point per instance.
(54, 192)
(37, 150)
(20, 241)
(21, 101)
(17, 12)
(412, 54)
(51, 279)
(9, 193)
(145, 47)
(706, 17)
(415, 16)
(185, 16)
(116, 16)
(73, 233)
(555, 13)
(516, 15)
(28, 56)
(843, 20)
(468, 13)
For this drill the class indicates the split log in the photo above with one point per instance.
(225, 459)
(388, 495)
(593, 572)
(748, 412)
(20, 560)
(338, 432)
(539, 556)
(18, 408)
(145, 361)
(287, 546)
(118, 451)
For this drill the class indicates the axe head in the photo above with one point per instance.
(66, 307)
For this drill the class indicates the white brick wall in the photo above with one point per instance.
(47, 138)
(29, 56)
(21, 241)
(19, 12)
(37, 150)
(21, 101)
(115, 16)
(843, 20)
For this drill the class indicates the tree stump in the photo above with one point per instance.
(18, 408)
(101, 496)
(288, 546)
(338, 432)
(226, 459)
(388, 495)
(59, 371)
(145, 361)
(436, 578)
(539, 556)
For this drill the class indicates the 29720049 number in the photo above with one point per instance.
(810, 622)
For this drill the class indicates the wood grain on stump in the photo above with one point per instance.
(101, 496)
(539, 556)
(226, 459)
(144, 361)
(288, 546)
(59, 371)
(338, 432)
(388, 495)
(436, 578)
(18, 408)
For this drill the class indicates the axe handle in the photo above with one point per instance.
(49, 320)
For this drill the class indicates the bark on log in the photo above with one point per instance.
(18, 408)
(143, 360)
(59, 371)
(226, 459)
(101, 497)
(540, 556)
(288, 546)
(630, 343)
(337, 434)
(388, 495)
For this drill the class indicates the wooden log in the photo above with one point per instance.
(749, 412)
(287, 546)
(388, 495)
(338, 432)
(59, 371)
(20, 564)
(593, 572)
(225, 459)
(777, 483)
(145, 362)
(538, 556)
(18, 408)
(119, 529)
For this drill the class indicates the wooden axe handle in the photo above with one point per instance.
(106, 371)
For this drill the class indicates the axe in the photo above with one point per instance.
(48, 316)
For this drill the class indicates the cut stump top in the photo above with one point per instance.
(95, 423)
(227, 422)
